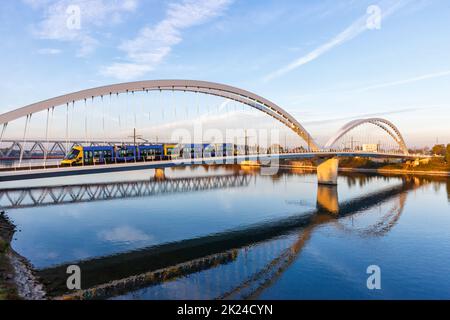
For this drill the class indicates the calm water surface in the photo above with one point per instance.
(226, 233)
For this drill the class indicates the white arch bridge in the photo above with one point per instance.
(30, 148)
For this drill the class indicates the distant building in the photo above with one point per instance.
(370, 147)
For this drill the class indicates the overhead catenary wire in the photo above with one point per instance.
(22, 150)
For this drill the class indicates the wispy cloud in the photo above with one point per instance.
(387, 84)
(93, 14)
(406, 81)
(372, 115)
(49, 51)
(153, 44)
(358, 27)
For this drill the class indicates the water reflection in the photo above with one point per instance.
(16, 198)
(384, 224)
(327, 199)
(448, 189)
(238, 261)
(157, 264)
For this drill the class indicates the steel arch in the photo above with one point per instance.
(379, 122)
(217, 89)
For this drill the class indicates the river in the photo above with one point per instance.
(228, 232)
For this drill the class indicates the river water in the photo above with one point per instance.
(225, 232)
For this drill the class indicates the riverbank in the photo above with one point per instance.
(435, 167)
(8, 289)
(432, 167)
(17, 280)
(381, 171)
(398, 171)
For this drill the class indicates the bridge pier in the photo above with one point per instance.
(160, 174)
(327, 171)
(327, 199)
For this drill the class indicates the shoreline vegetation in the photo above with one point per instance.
(435, 166)
(8, 288)
(430, 165)
(438, 165)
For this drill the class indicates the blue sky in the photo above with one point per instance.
(316, 59)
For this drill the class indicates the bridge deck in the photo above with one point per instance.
(30, 173)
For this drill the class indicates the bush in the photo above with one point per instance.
(3, 246)
(439, 150)
(447, 155)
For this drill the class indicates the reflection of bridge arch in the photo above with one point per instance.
(69, 194)
(384, 124)
(216, 89)
(382, 227)
(257, 283)
(165, 262)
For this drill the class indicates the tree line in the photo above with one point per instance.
(442, 150)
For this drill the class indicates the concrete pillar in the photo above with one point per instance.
(327, 171)
(327, 199)
(160, 174)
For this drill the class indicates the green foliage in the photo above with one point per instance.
(359, 163)
(447, 155)
(439, 150)
(434, 164)
(7, 288)
(3, 246)
(3, 294)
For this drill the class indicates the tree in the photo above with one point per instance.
(439, 150)
(447, 155)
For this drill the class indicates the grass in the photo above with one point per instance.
(4, 246)
(7, 288)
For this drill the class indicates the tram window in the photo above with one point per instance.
(122, 153)
(130, 152)
(73, 154)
